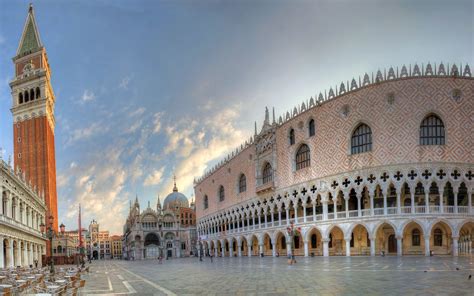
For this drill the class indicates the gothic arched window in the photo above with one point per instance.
(242, 183)
(38, 92)
(314, 241)
(415, 237)
(206, 202)
(267, 175)
(27, 97)
(32, 94)
(20, 98)
(291, 136)
(438, 237)
(432, 131)
(221, 193)
(303, 158)
(361, 140)
(311, 129)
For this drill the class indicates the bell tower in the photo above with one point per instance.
(33, 115)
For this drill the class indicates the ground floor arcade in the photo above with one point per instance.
(430, 236)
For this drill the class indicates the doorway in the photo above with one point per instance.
(392, 244)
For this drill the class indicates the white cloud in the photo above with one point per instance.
(155, 177)
(157, 122)
(86, 132)
(138, 112)
(193, 159)
(135, 126)
(87, 96)
(98, 187)
(125, 82)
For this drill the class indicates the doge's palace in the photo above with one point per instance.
(380, 164)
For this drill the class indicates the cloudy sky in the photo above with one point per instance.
(148, 88)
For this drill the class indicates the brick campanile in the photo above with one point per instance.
(33, 116)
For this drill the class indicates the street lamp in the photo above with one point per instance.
(49, 233)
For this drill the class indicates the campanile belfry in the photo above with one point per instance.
(33, 115)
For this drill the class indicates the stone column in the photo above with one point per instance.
(259, 221)
(372, 245)
(279, 216)
(399, 246)
(273, 248)
(334, 202)
(455, 191)
(239, 249)
(25, 255)
(40, 256)
(265, 213)
(325, 209)
(304, 212)
(1, 201)
(223, 249)
(412, 198)
(348, 246)
(249, 250)
(287, 216)
(216, 253)
(427, 245)
(441, 197)
(399, 206)
(306, 251)
(260, 248)
(469, 202)
(371, 195)
(231, 250)
(12, 258)
(2, 260)
(272, 213)
(427, 200)
(346, 203)
(288, 248)
(296, 212)
(326, 247)
(385, 193)
(455, 246)
(248, 223)
(314, 210)
(359, 208)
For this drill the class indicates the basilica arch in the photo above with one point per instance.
(152, 246)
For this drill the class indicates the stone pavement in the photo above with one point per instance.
(273, 276)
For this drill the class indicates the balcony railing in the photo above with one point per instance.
(364, 213)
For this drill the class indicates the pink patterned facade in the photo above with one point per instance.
(394, 106)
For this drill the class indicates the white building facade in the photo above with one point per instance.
(22, 211)
(382, 165)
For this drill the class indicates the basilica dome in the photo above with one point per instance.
(175, 199)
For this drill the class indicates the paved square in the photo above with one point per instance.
(272, 276)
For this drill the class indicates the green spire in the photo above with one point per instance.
(30, 40)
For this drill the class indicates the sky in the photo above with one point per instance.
(148, 89)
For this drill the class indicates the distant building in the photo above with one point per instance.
(169, 232)
(98, 242)
(116, 246)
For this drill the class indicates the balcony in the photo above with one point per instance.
(264, 187)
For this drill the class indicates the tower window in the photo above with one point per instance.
(221, 193)
(19, 155)
(432, 131)
(27, 97)
(20, 98)
(19, 139)
(242, 183)
(312, 130)
(38, 92)
(291, 137)
(267, 173)
(303, 157)
(361, 140)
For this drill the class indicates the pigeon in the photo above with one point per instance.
(470, 276)
(425, 270)
(457, 268)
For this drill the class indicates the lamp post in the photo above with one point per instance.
(49, 233)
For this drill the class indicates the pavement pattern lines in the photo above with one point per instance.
(273, 276)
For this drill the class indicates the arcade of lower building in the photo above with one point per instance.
(387, 237)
